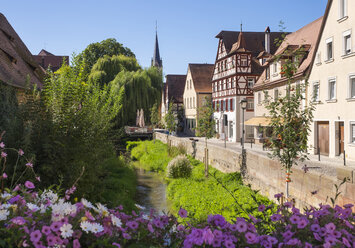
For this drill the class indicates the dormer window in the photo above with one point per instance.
(342, 8)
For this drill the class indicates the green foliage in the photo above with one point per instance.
(154, 115)
(135, 90)
(202, 196)
(221, 193)
(179, 167)
(169, 118)
(93, 52)
(206, 123)
(106, 68)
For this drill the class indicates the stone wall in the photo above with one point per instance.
(265, 174)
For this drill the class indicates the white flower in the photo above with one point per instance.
(96, 228)
(6, 195)
(3, 214)
(32, 207)
(86, 226)
(116, 221)
(49, 195)
(86, 203)
(101, 209)
(5, 206)
(66, 230)
(146, 217)
(139, 206)
(60, 209)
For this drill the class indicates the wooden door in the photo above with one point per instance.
(341, 138)
(323, 137)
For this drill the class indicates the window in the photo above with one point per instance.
(347, 42)
(244, 61)
(259, 98)
(316, 92)
(250, 83)
(194, 102)
(342, 8)
(329, 43)
(318, 58)
(250, 103)
(352, 86)
(275, 67)
(227, 105)
(266, 94)
(233, 82)
(276, 94)
(332, 89)
(231, 105)
(267, 73)
(352, 132)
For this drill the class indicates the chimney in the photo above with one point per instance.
(267, 39)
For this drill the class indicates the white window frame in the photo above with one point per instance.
(346, 34)
(330, 80)
(352, 132)
(351, 77)
(343, 8)
(327, 41)
(275, 67)
(318, 93)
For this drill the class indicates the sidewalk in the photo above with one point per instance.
(326, 165)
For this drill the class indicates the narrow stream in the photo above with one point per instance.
(151, 191)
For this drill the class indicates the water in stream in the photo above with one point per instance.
(151, 191)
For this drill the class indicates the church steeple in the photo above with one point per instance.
(156, 60)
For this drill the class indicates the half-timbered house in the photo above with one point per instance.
(238, 65)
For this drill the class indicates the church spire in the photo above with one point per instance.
(156, 60)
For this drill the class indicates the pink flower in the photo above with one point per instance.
(4, 175)
(76, 243)
(3, 154)
(20, 152)
(38, 179)
(29, 185)
(29, 164)
(116, 244)
(2, 145)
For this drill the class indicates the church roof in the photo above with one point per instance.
(17, 65)
(156, 60)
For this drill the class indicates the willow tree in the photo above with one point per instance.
(135, 90)
(107, 68)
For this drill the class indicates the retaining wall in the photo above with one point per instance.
(266, 175)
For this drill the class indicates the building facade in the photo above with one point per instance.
(332, 82)
(297, 47)
(238, 65)
(196, 92)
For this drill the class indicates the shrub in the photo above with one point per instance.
(179, 167)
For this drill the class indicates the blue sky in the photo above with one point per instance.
(186, 29)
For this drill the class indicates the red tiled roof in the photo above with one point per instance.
(17, 65)
(201, 77)
(304, 38)
(175, 85)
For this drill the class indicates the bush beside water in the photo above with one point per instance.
(179, 167)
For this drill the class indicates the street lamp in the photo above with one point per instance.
(243, 105)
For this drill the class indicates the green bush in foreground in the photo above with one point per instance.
(179, 167)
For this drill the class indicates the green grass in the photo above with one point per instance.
(199, 195)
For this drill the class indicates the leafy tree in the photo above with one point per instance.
(206, 126)
(97, 50)
(169, 118)
(107, 68)
(290, 121)
(154, 115)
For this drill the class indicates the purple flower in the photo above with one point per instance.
(330, 227)
(216, 243)
(278, 196)
(275, 217)
(51, 240)
(126, 236)
(18, 220)
(14, 199)
(217, 234)
(229, 243)
(29, 164)
(302, 223)
(116, 244)
(29, 185)
(315, 228)
(208, 236)
(2, 145)
(307, 245)
(317, 237)
(242, 226)
(346, 242)
(349, 205)
(4, 175)
(3, 154)
(251, 238)
(20, 152)
(182, 213)
(294, 219)
(293, 241)
(150, 228)
(55, 226)
(46, 230)
(76, 243)
(35, 236)
(132, 224)
(287, 235)
(261, 208)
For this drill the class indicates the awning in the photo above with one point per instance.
(258, 121)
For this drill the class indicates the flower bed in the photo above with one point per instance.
(42, 219)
